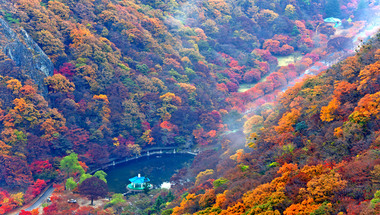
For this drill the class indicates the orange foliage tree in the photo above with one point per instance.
(327, 112)
(287, 120)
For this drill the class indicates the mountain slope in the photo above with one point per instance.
(134, 74)
(316, 151)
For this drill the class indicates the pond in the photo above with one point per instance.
(158, 168)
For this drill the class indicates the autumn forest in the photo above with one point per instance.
(281, 104)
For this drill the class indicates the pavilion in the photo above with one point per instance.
(137, 183)
(333, 20)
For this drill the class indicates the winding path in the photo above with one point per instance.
(39, 201)
(50, 190)
(36, 204)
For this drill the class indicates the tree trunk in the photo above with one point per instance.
(92, 201)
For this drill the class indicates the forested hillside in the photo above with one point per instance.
(316, 151)
(131, 74)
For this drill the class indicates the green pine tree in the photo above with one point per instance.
(146, 188)
(295, 31)
(170, 197)
(332, 8)
(158, 203)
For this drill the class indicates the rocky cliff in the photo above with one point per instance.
(22, 49)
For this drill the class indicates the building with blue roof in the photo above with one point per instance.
(333, 20)
(137, 183)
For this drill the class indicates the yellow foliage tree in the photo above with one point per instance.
(59, 83)
(4, 148)
(24, 113)
(238, 153)
(220, 199)
(103, 107)
(351, 67)
(201, 175)
(18, 197)
(159, 84)
(327, 112)
(305, 207)
(368, 76)
(322, 188)
(220, 5)
(14, 85)
(207, 199)
(186, 202)
(59, 9)
(20, 105)
(313, 171)
(253, 124)
(53, 124)
(264, 197)
(188, 87)
(77, 35)
(368, 106)
(268, 15)
(148, 138)
(338, 132)
(287, 120)
(168, 99)
(290, 11)
(102, 97)
(237, 209)
(135, 149)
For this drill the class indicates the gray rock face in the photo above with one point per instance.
(22, 49)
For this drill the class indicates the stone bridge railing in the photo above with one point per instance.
(145, 153)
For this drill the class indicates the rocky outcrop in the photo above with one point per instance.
(22, 49)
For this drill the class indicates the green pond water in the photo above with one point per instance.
(157, 169)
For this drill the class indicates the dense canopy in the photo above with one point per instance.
(251, 84)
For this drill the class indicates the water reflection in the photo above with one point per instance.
(158, 169)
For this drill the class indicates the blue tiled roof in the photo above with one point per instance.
(332, 19)
(337, 21)
(139, 180)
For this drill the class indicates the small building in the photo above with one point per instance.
(137, 183)
(333, 20)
